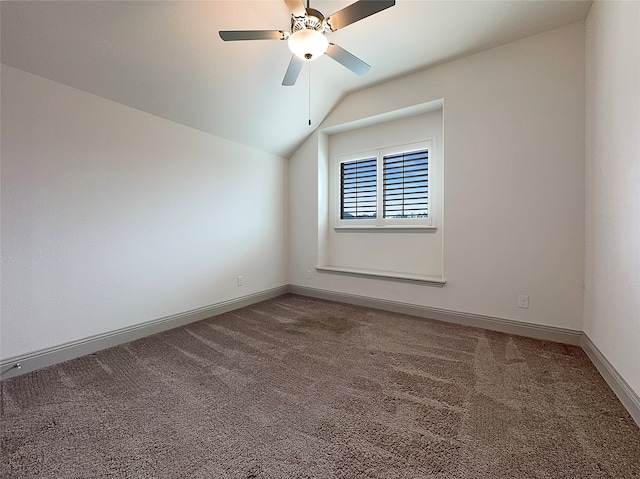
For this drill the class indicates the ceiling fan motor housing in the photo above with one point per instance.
(313, 20)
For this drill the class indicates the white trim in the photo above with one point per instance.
(57, 354)
(385, 275)
(64, 352)
(384, 117)
(390, 228)
(380, 222)
(629, 399)
(509, 326)
(627, 396)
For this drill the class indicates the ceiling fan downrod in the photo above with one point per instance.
(308, 41)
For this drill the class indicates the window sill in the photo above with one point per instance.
(389, 228)
(385, 275)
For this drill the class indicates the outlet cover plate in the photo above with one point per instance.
(523, 301)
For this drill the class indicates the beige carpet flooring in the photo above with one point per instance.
(296, 387)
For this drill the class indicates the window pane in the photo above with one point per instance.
(405, 185)
(358, 186)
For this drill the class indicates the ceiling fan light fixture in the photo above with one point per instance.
(308, 44)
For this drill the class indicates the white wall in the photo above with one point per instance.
(113, 217)
(514, 182)
(612, 297)
(418, 252)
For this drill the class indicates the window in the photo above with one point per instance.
(406, 184)
(358, 188)
(385, 188)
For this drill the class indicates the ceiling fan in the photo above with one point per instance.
(307, 40)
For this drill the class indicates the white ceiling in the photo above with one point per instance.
(166, 58)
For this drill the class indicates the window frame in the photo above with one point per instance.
(352, 158)
(381, 223)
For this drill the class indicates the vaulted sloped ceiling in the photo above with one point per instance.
(166, 58)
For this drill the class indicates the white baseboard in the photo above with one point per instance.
(48, 357)
(57, 354)
(627, 396)
(629, 399)
(547, 333)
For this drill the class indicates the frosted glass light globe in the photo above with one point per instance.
(308, 44)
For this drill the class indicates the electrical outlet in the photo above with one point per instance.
(523, 301)
(309, 274)
(240, 280)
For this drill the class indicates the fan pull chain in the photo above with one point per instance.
(309, 93)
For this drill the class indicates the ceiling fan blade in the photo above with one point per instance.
(345, 58)
(357, 11)
(296, 7)
(295, 65)
(235, 35)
